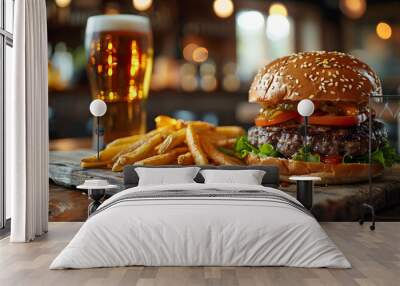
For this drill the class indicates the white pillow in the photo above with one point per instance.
(163, 176)
(248, 177)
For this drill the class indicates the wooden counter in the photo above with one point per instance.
(331, 203)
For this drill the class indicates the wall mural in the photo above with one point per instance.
(193, 96)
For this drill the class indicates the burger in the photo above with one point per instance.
(339, 85)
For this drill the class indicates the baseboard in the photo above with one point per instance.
(5, 231)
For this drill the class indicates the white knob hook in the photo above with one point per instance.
(98, 108)
(305, 107)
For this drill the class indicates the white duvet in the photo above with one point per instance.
(200, 231)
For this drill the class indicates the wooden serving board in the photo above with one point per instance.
(334, 202)
(65, 170)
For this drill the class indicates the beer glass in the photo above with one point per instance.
(120, 58)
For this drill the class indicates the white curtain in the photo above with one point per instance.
(27, 123)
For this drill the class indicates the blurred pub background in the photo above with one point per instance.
(207, 52)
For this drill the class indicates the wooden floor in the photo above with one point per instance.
(375, 257)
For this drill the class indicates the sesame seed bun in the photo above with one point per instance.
(329, 173)
(319, 76)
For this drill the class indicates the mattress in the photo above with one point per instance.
(201, 225)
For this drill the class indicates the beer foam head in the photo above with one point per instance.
(132, 23)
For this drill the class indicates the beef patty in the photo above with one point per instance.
(322, 139)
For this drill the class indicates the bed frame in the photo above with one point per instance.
(270, 179)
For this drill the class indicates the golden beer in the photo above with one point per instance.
(120, 59)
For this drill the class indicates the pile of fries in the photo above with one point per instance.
(172, 142)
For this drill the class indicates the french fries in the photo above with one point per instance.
(217, 156)
(130, 148)
(163, 131)
(227, 143)
(98, 164)
(201, 125)
(193, 142)
(230, 131)
(185, 159)
(163, 121)
(213, 136)
(138, 154)
(124, 140)
(105, 157)
(172, 142)
(163, 159)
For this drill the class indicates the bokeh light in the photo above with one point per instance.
(189, 83)
(188, 51)
(208, 83)
(250, 20)
(229, 68)
(231, 83)
(383, 30)
(63, 3)
(353, 9)
(142, 5)
(208, 68)
(278, 27)
(278, 9)
(185, 115)
(223, 8)
(200, 54)
(188, 69)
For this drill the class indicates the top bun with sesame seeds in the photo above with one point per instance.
(319, 76)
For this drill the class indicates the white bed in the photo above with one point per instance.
(224, 225)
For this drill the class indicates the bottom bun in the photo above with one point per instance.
(329, 173)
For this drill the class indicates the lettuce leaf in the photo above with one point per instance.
(386, 156)
(305, 155)
(389, 155)
(268, 150)
(227, 151)
(243, 148)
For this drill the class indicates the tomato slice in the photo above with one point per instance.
(334, 120)
(332, 159)
(281, 117)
